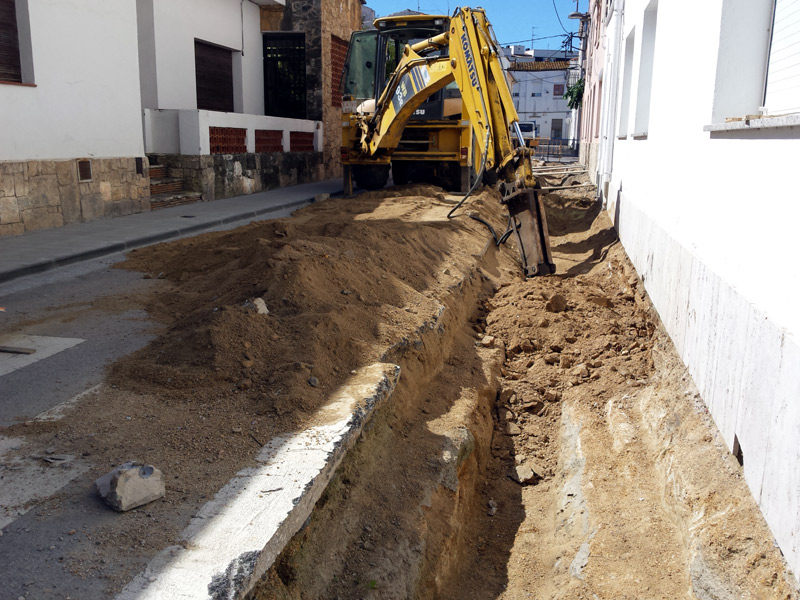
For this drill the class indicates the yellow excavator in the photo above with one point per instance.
(464, 53)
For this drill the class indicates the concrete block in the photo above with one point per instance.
(46, 167)
(9, 210)
(105, 191)
(7, 184)
(70, 203)
(67, 172)
(11, 229)
(43, 190)
(92, 206)
(131, 485)
(41, 218)
(21, 187)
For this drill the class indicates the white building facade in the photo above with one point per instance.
(541, 79)
(71, 118)
(697, 146)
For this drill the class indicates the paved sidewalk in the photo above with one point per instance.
(43, 250)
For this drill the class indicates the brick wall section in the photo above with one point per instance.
(338, 57)
(339, 19)
(268, 140)
(227, 140)
(43, 194)
(301, 141)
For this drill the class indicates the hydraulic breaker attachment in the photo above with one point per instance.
(529, 221)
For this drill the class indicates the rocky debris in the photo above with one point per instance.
(130, 485)
(556, 304)
(534, 406)
(552, 395)
(492, 508)
(581, 371)
(258, 305)
(313, 381)
(524, 473)
(600, 300)
(552, 358)
(513, 429)
(488, 341)
(565, 362)
(506, 395)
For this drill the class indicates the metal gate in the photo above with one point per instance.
(285, 75)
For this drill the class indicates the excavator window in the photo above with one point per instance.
(360, 68)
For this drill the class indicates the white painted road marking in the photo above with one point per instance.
(45, 347)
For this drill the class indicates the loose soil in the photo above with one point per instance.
(628, 490)
(569, 381)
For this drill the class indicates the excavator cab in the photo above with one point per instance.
(436, 143)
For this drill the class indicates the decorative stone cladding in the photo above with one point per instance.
(320, 20)
(42, 194)
(221, 176)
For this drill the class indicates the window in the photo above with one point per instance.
(213, 67)
(338, 56)
(555, 130)
(627, 77)
(285, 75)
(646, 60)
(515, 94)
(782, 94)
(558, 89)
(749, 71)
(10, 63)
(536, 95)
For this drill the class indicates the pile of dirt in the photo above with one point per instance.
(344, 281)
(341, 282)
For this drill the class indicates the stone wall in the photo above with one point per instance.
(221, 176)
(42, 194)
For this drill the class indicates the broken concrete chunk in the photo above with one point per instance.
(261, 306)
(522, 474)
(526, 473)
(556, 304)
(130, 485)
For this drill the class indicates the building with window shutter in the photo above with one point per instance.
(694, 149)
(112, 108)
(540, 80)
(71, 118)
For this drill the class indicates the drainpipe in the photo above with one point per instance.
(611, 70)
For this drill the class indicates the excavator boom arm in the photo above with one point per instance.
(473, 62)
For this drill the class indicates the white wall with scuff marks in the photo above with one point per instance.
(710, 219)
(86, 100)
(169, 30)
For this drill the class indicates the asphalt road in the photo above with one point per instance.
(88, 301)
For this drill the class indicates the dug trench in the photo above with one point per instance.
(548, 444)
(543, 440)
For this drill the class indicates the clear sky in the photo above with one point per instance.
(513, 22)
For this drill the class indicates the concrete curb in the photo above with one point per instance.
(143, 240)
(235, 537)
